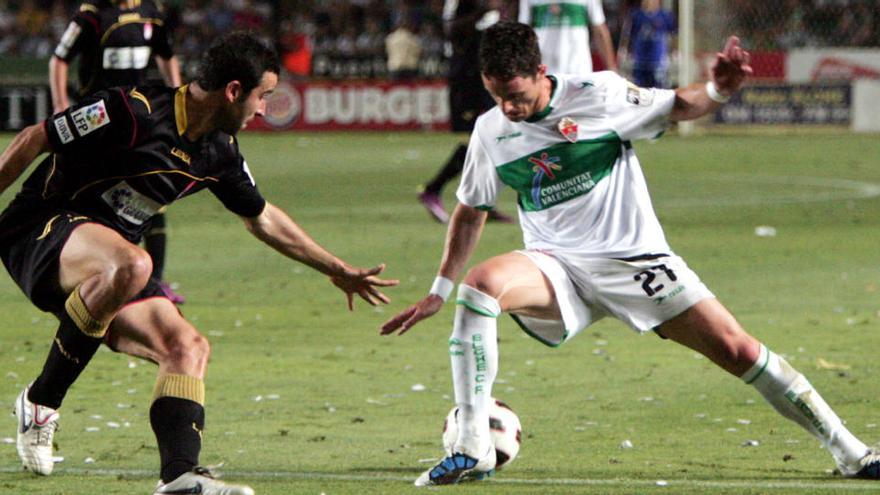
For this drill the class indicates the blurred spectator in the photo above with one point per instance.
(403, 49)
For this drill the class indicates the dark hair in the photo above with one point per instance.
(509, 49)
(237, 56)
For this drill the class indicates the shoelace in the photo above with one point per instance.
(45, 434)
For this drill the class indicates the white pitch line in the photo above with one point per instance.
(855, 485)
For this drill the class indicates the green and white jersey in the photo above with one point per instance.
(563, 32)
(579, 184)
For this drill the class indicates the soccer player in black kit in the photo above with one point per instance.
(114, 41)
(116, 159)
(464, 21)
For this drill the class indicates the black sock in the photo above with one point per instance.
(452, 168)
(70, 353)
(178, 425)
(154, 242)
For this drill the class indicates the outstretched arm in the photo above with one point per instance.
(729, 72)
(465, 228)
(23, 150)
(278, 230)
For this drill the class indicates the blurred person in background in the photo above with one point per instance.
(647, 38)
(403, 48)
(114, 42)
(464, 21)
(563, 30)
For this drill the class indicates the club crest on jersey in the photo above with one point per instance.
(568, 128)
(90, 118)
(148, 31)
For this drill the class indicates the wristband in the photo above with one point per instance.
(442, 287)
(713, 93)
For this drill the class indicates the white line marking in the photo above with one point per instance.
(622, 482)
(841, 189)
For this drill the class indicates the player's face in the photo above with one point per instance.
(251, 105)
(519, 98)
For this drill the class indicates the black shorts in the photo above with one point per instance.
(31, 241)
(467, 101)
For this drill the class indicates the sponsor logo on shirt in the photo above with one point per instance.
(183, 155)
(90, 118)
(545, 196)
(130, 204)
(506, 137)
(64, 132)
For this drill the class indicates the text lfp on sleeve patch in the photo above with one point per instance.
(90, 118)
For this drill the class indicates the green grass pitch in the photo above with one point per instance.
(305, 397)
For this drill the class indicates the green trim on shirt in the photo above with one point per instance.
(561, 172)
(557, 15)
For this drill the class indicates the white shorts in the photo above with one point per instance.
(642, 293)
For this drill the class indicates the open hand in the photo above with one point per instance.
(405, 320)
(731, 67)
(363, 282)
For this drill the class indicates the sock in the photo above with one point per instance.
(78, 337)
(792, 395)
(177, 416)
(452, 168)
(154, 242)
(473, 350)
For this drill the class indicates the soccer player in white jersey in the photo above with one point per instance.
(563, 30)
(593, 245)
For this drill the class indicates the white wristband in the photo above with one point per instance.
(713, 93)
(442, 287)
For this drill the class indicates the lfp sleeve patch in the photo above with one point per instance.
(90, 118)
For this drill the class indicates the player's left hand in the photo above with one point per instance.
(364, 283)
(731, 67)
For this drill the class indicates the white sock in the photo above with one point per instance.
(792, 395)
(473, 350)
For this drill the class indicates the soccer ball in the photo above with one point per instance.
(504, 428)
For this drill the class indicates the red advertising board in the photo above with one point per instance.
(368, 105)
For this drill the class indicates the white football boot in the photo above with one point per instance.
(36, 428)
(200, 481)
(457, 468)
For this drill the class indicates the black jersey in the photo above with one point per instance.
(464, 35)
(120, 157)
(115, 45)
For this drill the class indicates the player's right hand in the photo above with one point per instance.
(405, 320)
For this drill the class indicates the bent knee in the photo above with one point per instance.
(486, 280)
(131, 269)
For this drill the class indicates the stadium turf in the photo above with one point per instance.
(305, 397)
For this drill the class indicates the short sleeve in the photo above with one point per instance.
(236, 188)
(634, 112)
(162, 44)
(102, 120)
(594, 10)
(75, 37)
(480, 182)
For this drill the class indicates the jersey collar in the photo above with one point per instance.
(539, 115)
(180, 109)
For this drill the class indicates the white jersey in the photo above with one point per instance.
(579, 184)
(563, 32)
